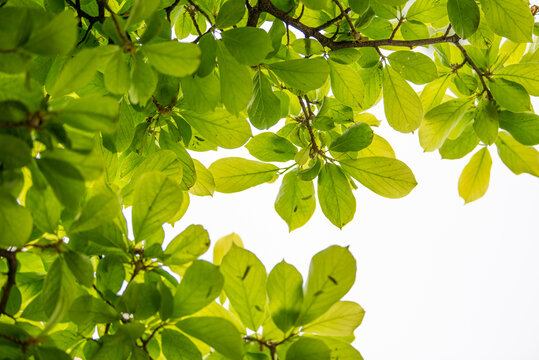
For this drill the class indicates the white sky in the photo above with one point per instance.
(438, 280)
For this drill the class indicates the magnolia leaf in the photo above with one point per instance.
(474, 180)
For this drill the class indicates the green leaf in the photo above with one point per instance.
(509, 18)
(335, 196)
(461, 146)
(91, 113)
(359, 6)
(205, 184)
(86, 309)
(110, 274)
(510, 95)
(308, 348)
(217, 332)
(308, 47)
(524, 127)
(201, 94)
(486, 122)
(245, 285)
(103, 207)
(295, 202)
(44, 207)
(65, 180)
(14, 152)
(81, 267)
(355, 138)
(177, 346)
(402, 106)
(157, 199)
(340, 320)
(285, 294)
(439, 121)
(235, 79)
(474, 180)
(270, 147)
(386, 177)
(200, 285)
(220, 127)
(316, 4)
(346, 85)
(230, 13)
(117, 74)
(58, 291)
(235, 174)
(248, 45)
(464, 16)
(413, 66)
(77, 72)
(208, 47)
(302, 74)
(434, 92)
(173, 58)
(187, 246)
(427, 11)
(517, 157)
(15, 222)
(143, 81)
(265, 107)
(57, 37)
(526, 75)
(331, 275)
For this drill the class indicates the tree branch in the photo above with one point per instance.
(83, 14)
(267, 6)
(197, 8)
(476, 69)
(315, 150)
(11, 258)
(332, 21)
(355, 34)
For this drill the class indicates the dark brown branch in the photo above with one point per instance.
(355, 34)
(83, 14)
(193, 18)
(90, 26)
(11, 258)
(332, 21)
(267, 6)
(169, 9)
(401, 20)
(476, 69)
(315, 150)
(197, 8)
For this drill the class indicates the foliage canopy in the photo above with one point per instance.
(99, 105)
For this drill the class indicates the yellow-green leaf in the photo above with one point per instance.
(474, 180)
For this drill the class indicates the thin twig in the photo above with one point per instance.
(401, 20)
(476, 69)
(355, 34)
(315, 150)
(332, 21)
(197, 8)
(11, 257)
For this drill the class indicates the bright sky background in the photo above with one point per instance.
(437, 279)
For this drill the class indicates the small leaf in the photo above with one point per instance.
(510, 95)
(81, 267)
(235, 80)
(413, 66)
(295, 202)
(526, 75)
(386, 177)
(143, 82)
(200, 285)
(403, 108)
(77, 72)
(265, 107)
(116, 74)
(331, 275)
(245, 285)
(248, 45)
(509, 18)
(270, 147)
(346, 85)
(156, 200)
(91, 113)
(236, 174)
(302, 74)
(230, 13)
(187, 246)
(173, 58)
(356, 137)
(57, 37)
(285, 292)
(205, 184)
(486, 122)
(220, 127)
(335, 196)
(14, 152)
(474, 180)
